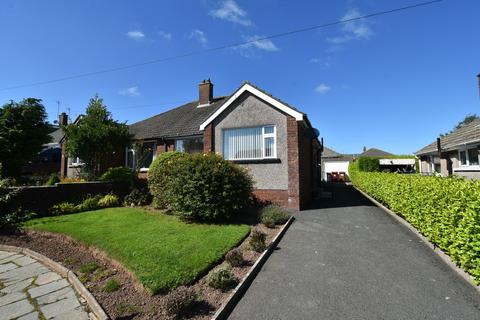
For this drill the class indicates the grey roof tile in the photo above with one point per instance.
(469, 133)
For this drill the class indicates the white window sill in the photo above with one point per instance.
(467, 168)
(144, 170)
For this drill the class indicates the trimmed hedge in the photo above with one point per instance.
(368, 164)
(445, 210)
(201, 187)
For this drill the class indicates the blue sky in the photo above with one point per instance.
(392, 82)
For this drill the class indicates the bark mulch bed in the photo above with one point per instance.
(131, 300)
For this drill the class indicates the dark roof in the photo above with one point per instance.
(374, 152)
(467, 134)
(181, 121)
(56, 136)
(330, 153)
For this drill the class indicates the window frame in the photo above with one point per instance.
(135, 160)
(264, 136)
(467, 158)
(76, 162)
(189, 138)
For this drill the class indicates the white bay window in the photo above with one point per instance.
(250, 143)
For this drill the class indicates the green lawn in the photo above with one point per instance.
(162, 251)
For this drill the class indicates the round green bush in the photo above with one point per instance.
(118, 174)
(235, 257)
(159, 175)
(201, 187)
(273, 215)
(181, 301)
(258, 241)
(221, 278)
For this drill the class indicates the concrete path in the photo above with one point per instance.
(347, 259)
(29, 290)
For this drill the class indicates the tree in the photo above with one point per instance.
(95, 137)
(23, 131)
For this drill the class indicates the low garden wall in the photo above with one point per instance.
(444, 210)
(40, 199)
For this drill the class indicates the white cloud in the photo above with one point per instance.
(135, 35)
(255, 43)
(229, 10)
(131, 92)
(352, 30)
(324, 62)
(322, 88)
(199, 36)
(165, 35)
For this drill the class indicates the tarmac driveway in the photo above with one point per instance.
(348, 259)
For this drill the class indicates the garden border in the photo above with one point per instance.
(439, 252)
(92, 303)
(224, 311)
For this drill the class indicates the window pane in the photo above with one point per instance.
(473, 157)
(146, 154)
(269, 130)
(243, 143)
(179, 145)
(463, 157)
(269, 147)
(130, 159)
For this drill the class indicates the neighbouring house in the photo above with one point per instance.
(456, 153)
(274, 140)
(48, 160)
(335, 165)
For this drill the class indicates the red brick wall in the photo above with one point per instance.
(293, 163)
(208, 139)
(278, 197)
(305, 165)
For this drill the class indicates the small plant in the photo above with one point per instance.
(221, 278)
(89, 204)
(180, 301)
(111, 285)
(126, 309)
(273, 215)
(63, 208)
(54, 178)
(71, 180)
(235, 257)
(258, 241)
(15, 219)
(138, 197)
(118, 174)
(89, 267)
(109, 200)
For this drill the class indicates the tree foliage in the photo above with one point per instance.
(23, 131)
(95, 137)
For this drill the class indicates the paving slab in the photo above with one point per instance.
(347, 259)
(16, 309)
(47, 288)
(32, 291)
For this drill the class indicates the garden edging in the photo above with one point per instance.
(236, 295)
(92, 303)
(442, 255)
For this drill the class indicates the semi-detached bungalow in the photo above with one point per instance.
(456, 153)
(274, 140)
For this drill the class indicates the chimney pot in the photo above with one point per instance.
(205, 92)
(63, 119)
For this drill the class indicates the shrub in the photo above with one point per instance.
(109, 200)
(221, 278)
(159, 175)
(15, 219)
(273, 215)
(138, 197)
(111, 285)
(89, 204)
(200, 187)
(235, 257)
(54, 178)
(72, 180)
(118, 174)
(89, 267)
(368, 164)
(258, 241)
(180, 301)
(63, 208)
(10, 217)
(445, 210)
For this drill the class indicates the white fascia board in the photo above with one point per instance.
(247, 87)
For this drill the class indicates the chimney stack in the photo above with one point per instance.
(205, 92)
(62, 119)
